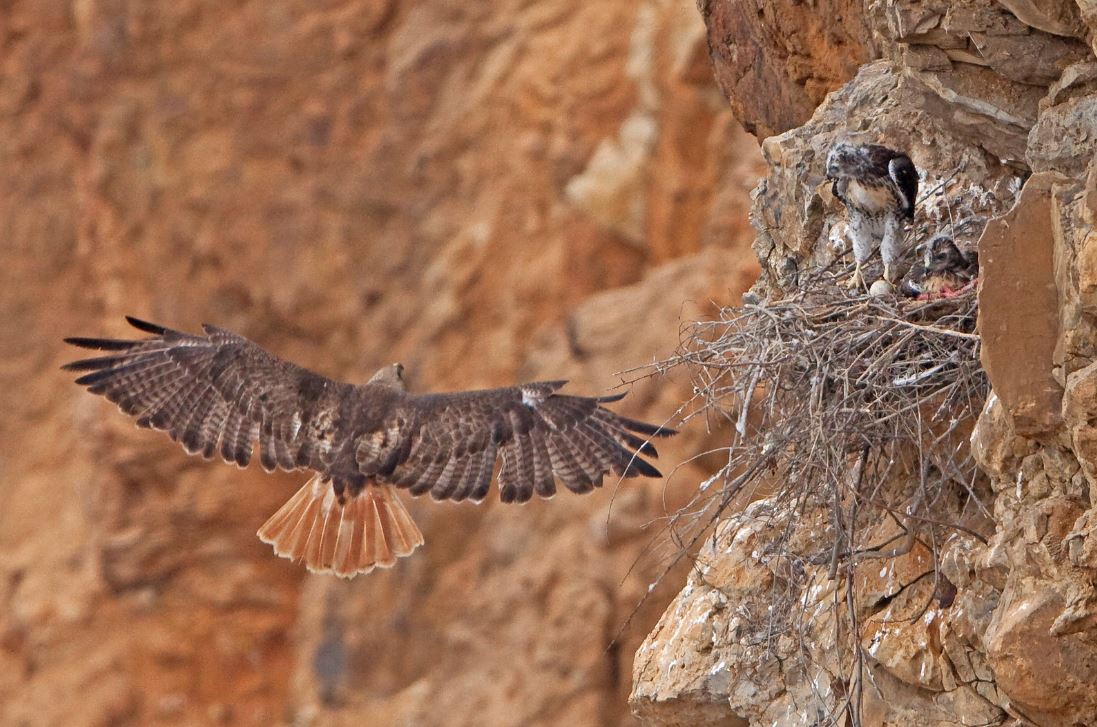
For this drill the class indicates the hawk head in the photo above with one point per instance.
(391, 376)
(843, 160)
(876, 166)
(942, 255)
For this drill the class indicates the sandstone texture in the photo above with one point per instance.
(1016, 256)
(775, 61)
(484, 191)
(995, 102)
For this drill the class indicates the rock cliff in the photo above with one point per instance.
(995, 102)
(485, 191)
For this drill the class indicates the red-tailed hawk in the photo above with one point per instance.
(219, 393)
(944, 272)
(878, 186)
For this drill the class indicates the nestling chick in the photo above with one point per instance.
(944, 272)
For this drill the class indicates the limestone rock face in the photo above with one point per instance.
(484, 191)
(993, 101)
(775, 61)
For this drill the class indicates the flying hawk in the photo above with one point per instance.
(878, 186)
(220, 393)
(944, 272)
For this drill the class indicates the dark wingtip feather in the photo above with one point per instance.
(95, 377)
(88, 379)
(76, 365)
(610, 398)
(651, 430)
(580, 486)
(635, 443)
(146, 326)
(99, 344)
(638, 466)
(93, 364)
(191, 441)
(514, 494)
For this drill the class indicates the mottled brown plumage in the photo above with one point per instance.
(219, 393)
(944, 271)
(879, 187)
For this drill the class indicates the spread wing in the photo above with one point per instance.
(448, 444)
(217, 393)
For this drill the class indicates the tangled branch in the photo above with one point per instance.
(853, 405)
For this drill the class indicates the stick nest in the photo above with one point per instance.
(852, 414)
(834, 396)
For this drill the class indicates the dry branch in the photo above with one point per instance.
(860, 405)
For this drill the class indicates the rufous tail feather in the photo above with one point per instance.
(370, 530)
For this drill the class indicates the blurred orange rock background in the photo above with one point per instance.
(485, 191)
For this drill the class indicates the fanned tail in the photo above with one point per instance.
(370, 530)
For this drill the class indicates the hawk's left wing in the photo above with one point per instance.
(905, 176)
(448, 444)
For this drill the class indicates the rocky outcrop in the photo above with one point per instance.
(775, 61)
(994, 102)
(485, 191)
